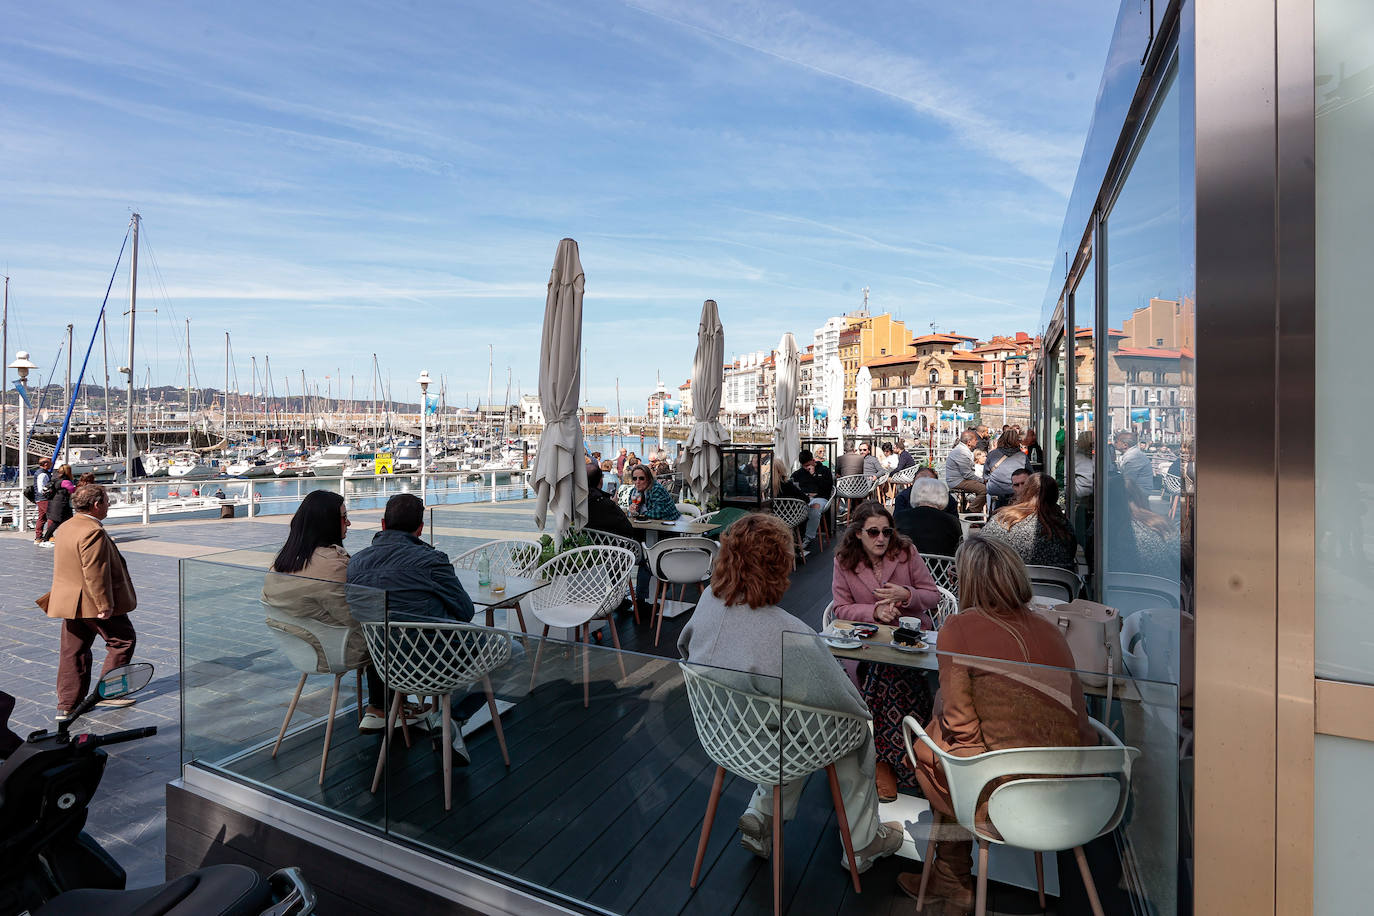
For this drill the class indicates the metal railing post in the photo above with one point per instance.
(493, 486)
(147, 505)
(252, 491)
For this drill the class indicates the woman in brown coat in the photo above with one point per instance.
(999, 699)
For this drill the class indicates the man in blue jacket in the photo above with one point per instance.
(419, 580)
(420, 583)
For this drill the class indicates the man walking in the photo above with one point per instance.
(93, 595)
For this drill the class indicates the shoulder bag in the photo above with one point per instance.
(1093, 632)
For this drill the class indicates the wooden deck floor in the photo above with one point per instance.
(602, 805)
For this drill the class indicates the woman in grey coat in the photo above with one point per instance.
(1002, 462)
(737, 629)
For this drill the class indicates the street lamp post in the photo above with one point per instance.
(662, 409)
(423, 381)
(21, 366)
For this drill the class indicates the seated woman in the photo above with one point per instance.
(650, 499)
(738, 626)
(988, 707)
(879, 576)
(1001, 463)
(314, 556)
(926, 523)
(1036, 527)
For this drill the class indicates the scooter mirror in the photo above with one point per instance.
(124, 680)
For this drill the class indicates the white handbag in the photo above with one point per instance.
(1093, 632)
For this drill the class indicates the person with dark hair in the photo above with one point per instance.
(1002, 462)
(419, 580)
(60, 505)
(92, 594)
(650, 498)
(603, 512)
(1018, 484)
(817, 483)
(1035, 453)
(42, 487)
(738, 629)
(1036, 527)
(879, 576)
(1006, 681)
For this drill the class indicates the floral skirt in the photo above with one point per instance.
(892, 693)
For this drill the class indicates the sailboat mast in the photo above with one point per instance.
(5, 373)
(67, 390)
(129, 408)
(490, 355)
(305, 412)
(188, 383)
(105, 346)
(225, 398)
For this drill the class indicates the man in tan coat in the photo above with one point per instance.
(92, 594)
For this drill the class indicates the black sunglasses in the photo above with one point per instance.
(874, 532)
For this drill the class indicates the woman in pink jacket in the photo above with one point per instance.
(879, 576)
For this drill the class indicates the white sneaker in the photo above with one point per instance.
(756, 833)
(885, 842)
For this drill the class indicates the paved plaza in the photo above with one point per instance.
(129, 814)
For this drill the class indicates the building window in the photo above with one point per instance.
(934, 376)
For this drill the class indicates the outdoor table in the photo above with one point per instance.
(655, 528)
(482, 596)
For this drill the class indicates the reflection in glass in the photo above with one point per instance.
(1079, 492)
(1148, 418)
(1345, 276)
(1055, 440)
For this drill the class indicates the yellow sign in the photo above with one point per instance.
(383, 463)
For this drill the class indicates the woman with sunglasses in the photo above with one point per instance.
(879, 576)
(650, 499)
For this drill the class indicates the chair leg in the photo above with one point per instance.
(386, 739)
(359, 673)
(777, 850)
(981, 907)
(329, 724)
(1093, 900)
(634, 599)
(448, 751)
(586, 665)
(538, 651)
(290, 711)
(838, 798)
(615, 640)
(658, 611)
(1040, 877)
(929, 860)
(711, 804)
(496, 719)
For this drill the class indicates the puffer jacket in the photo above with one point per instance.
(419, 580)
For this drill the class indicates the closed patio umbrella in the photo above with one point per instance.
(863, 402)
(560, 470)
(788, 435)
(702, 452)
(834, 397)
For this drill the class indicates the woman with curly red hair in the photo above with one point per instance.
(879, 576)
(738, 627)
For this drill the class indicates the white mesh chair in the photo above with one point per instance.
(679, 561)
(513, 556)
(1054, 582)
(768, 742)
(905, 477)
(793, 513)
(853, 488)
(435, 659)
(313, 647)
(1173, 489)
(608, 539)
(942, 570)
(585, 584)
(689, 510)
(1058, 798)
(948, 606)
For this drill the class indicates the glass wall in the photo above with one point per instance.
(1078, 482)
(1055, 434)
(1345, 276)
(1146, 426)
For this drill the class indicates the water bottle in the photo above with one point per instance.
(483, 571)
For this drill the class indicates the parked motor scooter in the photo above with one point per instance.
(50, 867)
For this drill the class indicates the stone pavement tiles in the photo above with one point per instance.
(225, 658)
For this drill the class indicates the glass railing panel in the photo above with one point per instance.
(969, 705)
(255, 645)
(594, 787)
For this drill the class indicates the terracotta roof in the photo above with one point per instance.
(894, 360)
(807, 356)
(1155, 352)
(941, 338)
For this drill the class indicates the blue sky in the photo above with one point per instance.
(330, 180)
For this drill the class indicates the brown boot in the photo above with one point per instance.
(886, 778)
(951, 878)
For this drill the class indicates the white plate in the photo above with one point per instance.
(842, 642)
(901, 648)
